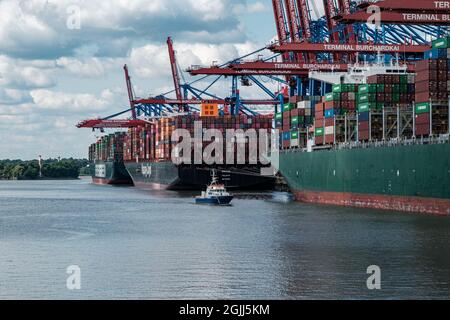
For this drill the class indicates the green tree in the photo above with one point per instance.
(31, 173)
(17, 171)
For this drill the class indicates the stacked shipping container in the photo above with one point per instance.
(433, 89)
(154, 141)
(108, 148)
(294, 119)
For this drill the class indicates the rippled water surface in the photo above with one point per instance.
(132, 244)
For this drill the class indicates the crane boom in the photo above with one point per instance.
(130, 91)
(280, 26)
(305, 20)
(293, 25)
(173, 65)
(292, 18)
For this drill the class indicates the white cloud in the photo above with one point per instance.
(22, 30)
(248, 8)
(38, 28)
(153, 60)
(52, 77)
(83, 102)
(88, 67)
(23, 75)
(13, 96)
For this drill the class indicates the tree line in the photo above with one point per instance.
(51, 168)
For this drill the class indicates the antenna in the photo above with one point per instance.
(40, 166)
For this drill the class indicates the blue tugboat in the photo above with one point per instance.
(215, 194)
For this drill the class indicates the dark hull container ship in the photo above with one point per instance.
(166, 175)
(148, 151)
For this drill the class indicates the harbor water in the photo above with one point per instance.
(136, 244)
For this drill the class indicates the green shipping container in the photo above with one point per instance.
(442, 43)
(294, 135)
(364, 107)
(333, 97)
(367, 88)
(288, 107)
(279, 116)
(319, 132)
(363, 98)
(422, 108)
(380, 88)
(368, 97)
(340, 88)
(352, 88)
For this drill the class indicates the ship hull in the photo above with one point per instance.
(166, 175)
(413, 178)
(110, 173)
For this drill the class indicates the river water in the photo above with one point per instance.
(134, 244)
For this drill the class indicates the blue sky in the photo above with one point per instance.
(52, 76)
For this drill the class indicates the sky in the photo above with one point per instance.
(61, 60)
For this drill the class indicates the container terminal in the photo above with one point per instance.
(361, 115)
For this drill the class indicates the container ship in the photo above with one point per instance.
(106, 158)
(379, 139)
(148, 155)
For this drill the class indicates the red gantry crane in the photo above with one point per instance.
(423, 12)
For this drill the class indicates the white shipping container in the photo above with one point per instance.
(351, 96)
(329, 130)
(295, 143)
(304, 104)
(308, 112)
(411, 78)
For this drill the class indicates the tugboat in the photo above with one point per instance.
(215, 194)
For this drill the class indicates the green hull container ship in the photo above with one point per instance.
(412, 178)
(380, 140)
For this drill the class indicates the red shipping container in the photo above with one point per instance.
(329, 122)
(363, 135)
(422, 97)
(363, 125)
(422, 130)
(320, 107)
(423, 119)
(319, 140)
(329, 139)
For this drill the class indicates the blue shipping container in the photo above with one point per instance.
(286, 136)
(329, 113)
(436, 54)
(364, 116)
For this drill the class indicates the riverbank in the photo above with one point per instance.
(49, 169)
(45, 179)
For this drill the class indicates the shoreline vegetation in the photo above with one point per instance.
(52, 169)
